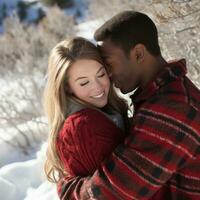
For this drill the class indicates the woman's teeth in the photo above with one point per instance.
(99, 96)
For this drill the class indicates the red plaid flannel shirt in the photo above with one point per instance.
(160, 157)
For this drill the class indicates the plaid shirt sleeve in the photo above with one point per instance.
(159, 144)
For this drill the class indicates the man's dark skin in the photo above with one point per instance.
(133, 70)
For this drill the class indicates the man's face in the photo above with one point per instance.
(125, 70)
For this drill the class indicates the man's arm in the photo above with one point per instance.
(137, 169)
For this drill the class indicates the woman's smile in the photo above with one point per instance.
(99, 96)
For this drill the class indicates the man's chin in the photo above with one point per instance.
(127, 90)
(122, 90)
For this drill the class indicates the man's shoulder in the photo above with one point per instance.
(180, 93)
(175, 104)
(178, 110)
(170, 117)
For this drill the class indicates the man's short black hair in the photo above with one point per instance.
(129, 28)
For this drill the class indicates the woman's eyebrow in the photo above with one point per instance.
(86, 76)
(80, 78)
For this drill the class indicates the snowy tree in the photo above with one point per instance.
(23, 64)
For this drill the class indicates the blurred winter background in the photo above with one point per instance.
(28, 31)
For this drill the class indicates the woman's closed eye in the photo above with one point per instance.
(84, 83)
(101, 75)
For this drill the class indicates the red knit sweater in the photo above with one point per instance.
(86, 138)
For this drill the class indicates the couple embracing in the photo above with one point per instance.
(95, 150)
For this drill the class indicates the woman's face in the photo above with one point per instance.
(88, 81)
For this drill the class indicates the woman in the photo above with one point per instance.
(85, 115)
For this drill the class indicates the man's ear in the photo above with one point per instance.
(138, 53)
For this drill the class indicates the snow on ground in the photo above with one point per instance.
(12, 135)
(26, 180)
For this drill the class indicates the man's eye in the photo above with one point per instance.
(101, 75)
(85, 83)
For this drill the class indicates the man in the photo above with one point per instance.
(160, 159)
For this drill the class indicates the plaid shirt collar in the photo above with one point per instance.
(172, 71)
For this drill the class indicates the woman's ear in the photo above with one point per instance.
(138, 53)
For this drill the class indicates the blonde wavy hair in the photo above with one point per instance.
(56, 96)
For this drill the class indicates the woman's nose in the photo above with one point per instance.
(97, 85)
